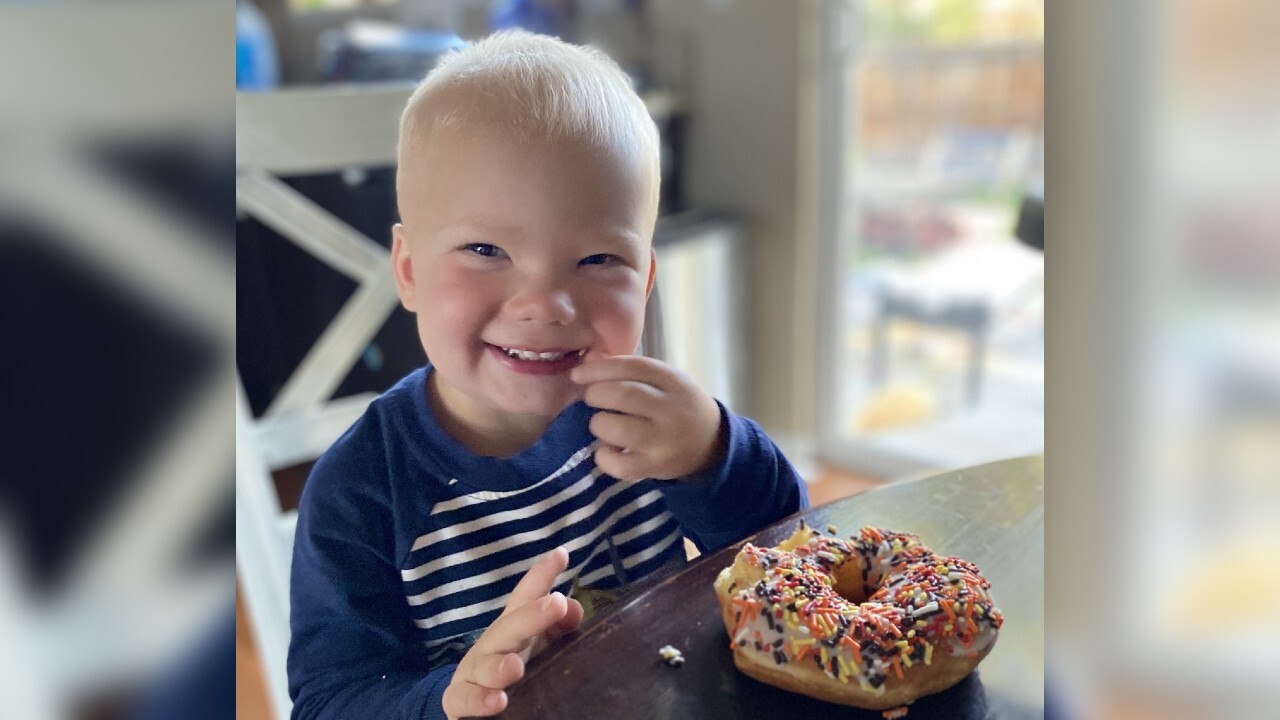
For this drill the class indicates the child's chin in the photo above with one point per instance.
(546, 406)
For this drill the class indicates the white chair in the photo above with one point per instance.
(295, 132)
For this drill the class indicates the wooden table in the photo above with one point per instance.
(991, 514)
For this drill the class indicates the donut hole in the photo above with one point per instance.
(850, 586)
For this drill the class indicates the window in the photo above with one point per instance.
(937, 342)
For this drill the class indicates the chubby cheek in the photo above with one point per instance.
(618, 319)
(452, 316)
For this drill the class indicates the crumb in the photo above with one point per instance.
(895, 713)
(671, 656)
(832, 529)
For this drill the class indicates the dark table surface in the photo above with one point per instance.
(991, 514)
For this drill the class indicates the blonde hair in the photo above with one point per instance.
(531, 87)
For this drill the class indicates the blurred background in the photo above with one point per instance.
(853, 203)
(850, 247)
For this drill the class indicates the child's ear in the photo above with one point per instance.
(653, 268)
(402, 267)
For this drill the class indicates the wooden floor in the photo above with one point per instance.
(835, 484)
(251, 694)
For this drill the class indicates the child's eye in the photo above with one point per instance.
(484, 250)
(601, 259)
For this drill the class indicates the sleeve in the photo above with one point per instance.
(353, 652)
(752, 487)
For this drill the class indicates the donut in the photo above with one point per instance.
(875, 621)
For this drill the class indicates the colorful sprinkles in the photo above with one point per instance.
(897, 602)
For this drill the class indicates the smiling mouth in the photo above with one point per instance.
(534, 355)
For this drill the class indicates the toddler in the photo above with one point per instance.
(439, 537)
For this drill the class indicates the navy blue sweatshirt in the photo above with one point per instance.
(408, 545)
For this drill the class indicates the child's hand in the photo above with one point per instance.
(496, 661)
(660, 424)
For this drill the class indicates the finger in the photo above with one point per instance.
(570, 622)
(497, 671)
(623, 431)
(625, 466)
(464, 699)
(624, 367)
(595, 355)
(625, 396)
(513, 631)
(540, 578)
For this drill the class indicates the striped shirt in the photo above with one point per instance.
(408, 545)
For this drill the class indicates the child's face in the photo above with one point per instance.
(537, 248)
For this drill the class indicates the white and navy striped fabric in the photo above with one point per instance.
(408, 545)
(457, 576)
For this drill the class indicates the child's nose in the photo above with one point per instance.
(542, 304)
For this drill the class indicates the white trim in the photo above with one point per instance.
(478, 497)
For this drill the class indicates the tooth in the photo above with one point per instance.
(535, 355)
